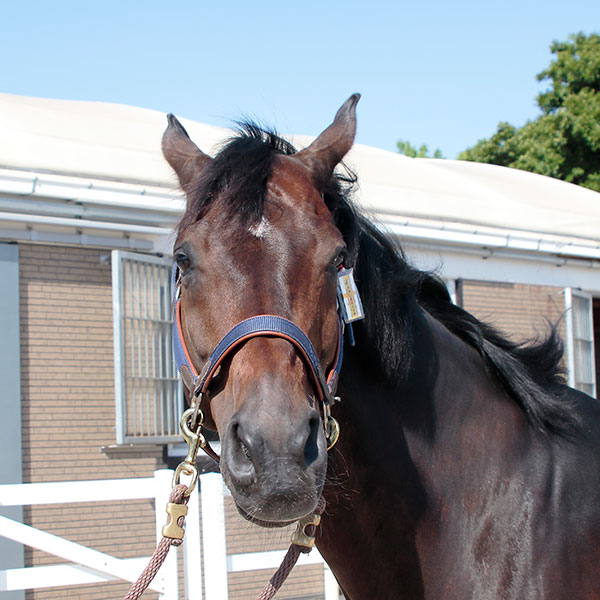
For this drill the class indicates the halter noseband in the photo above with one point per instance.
(258, 326)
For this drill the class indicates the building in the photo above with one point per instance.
(87, 206)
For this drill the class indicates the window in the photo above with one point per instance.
(149, 399)
(580, 341)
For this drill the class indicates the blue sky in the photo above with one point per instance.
(441, 72)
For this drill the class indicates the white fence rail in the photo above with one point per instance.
(88, 566)
(85, 565)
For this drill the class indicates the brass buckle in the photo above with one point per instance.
(172, 529)
(300, 537)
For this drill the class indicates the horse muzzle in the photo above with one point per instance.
(275, 473)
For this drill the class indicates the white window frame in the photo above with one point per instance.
(452, 287)
(148, 393)
(578, 337)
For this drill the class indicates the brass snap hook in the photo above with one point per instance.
(195, 440)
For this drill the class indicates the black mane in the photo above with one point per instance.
(391, 289)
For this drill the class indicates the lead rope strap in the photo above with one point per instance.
(303, 538)
(292, 555)
(305, 534)
(178, 496)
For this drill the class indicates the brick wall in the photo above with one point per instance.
(68, 408)
(521, 311)
(68, 411)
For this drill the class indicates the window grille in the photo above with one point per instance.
(149, 397)
(580, 341)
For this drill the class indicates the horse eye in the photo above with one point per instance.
(338, 261)
(183, 262)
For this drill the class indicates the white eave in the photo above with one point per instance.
(94, 172)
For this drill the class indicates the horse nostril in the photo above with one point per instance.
(245, 450)
(240, 440)
(240, 461)
(311, 448)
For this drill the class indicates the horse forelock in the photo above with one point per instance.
(237, 176)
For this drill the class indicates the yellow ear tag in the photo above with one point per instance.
(348, 297)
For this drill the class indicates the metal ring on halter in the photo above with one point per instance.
(191, 471)
(334, 432)
(331, 426)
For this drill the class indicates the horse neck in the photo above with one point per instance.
(426, 424)
(412, 458)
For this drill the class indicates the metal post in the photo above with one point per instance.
(332, 589)
(192, 560)
(213, 537)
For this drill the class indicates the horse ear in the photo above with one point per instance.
(186, 159)
(331, 146)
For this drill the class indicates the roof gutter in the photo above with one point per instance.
(493, 242)
(91, 191)
(30, 219)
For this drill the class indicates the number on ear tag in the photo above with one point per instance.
(348, 297)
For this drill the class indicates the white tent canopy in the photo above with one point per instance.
(121, 144)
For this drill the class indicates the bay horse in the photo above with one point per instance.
(465, 468)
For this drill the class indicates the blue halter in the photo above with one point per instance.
(257, 326)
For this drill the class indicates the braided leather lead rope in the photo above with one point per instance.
(158, 558)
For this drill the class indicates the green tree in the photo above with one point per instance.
(564, 141)
(408, 149)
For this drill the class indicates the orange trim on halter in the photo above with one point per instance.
(183, 344)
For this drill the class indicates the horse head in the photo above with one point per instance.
(257, 239)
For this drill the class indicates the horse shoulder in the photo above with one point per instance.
(508, 502)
